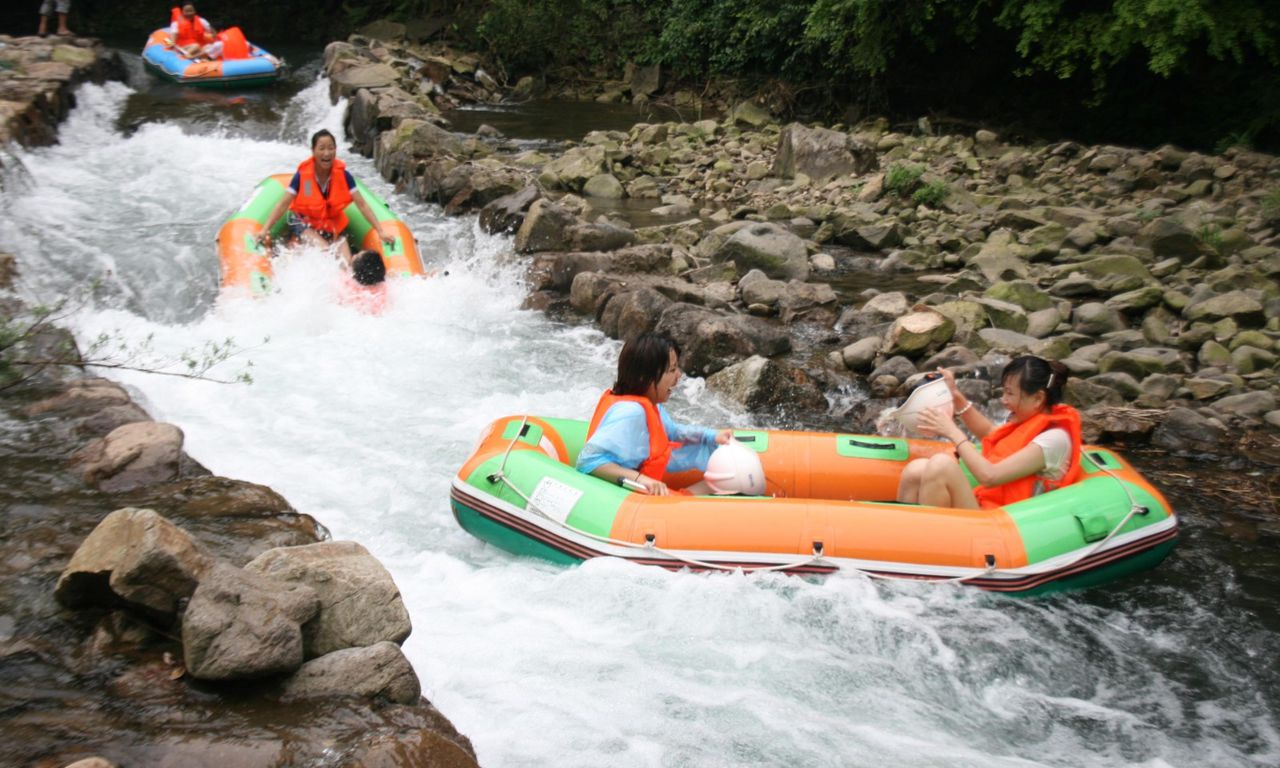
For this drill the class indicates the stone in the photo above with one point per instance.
(506, 213)
(1024, 293)
(1102, 266)
(1141, 362)
(631, 313)
(712, 341)
(572, 169)
(1004, 315)
(1121, 382)
(1236, 305)
(921, 331)
(1213, 354)
(600, 236)
(750, 114)
(359, 602)
(346, 82)
(92, 762)
(384, 30)
(1248, 405)
(879, 236)
(1168, 238)
(1085, 393)
(1095, 319)
(132, 456)
(241, 625)
(544, 228)
(1138, 300)
(605, 186)
(860, 356)
(1201, 388)
(1246, 359)
(134, 558)
(1042, 323)
(1001, 340)
(1184, 431)
(759, 383)
(378, 671)
(898, 368)
(998, 259)
(767, 247)
(82, 398)
(889, 305)
(821, 154)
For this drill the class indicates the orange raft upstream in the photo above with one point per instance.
(829, 508)
(247, 265)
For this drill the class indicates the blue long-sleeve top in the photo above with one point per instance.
(623, 439)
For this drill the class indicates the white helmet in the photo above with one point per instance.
(735, 468)
(932, 393)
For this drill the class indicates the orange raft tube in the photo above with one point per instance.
(247, 265)
(830, 507)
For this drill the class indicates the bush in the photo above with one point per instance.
(931, 194)
(902, 179)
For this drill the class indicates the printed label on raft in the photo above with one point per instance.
(555, 499)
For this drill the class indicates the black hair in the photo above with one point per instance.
(367, 268)
(643, 362)
(320, 134)
(1035, 374)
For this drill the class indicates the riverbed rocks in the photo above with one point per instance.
(37, 81)
(1166, 258)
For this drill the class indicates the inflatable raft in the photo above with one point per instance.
(247, 265)
(260, 68)
(829, 508)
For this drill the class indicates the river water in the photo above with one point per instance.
(361, 421)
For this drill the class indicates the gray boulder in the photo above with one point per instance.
(1248, 405)
(860, 356)
(359, 602)
(712, 341)
(241, 625)
(345, 83)
(544, 228)
(379, 671)
(767, 247)
(572, 169)
(1095, 319)
(136, 558)
(1185, 431)
(132, 456)
(1237, 305)
(760, 383)
(919, 332)
(506, 214)
(1168, 238)
(821, 154)
(605, 186)
(599, 236)
(629, 314)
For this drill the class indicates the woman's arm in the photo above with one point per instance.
(367, 212)
(1027, 461)
(274, 216)
(615, 473)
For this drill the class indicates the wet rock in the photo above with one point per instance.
(600, 236)
(377, 671)
(631, 313)
(134, 558)
(1236, 305)
(506, 214)
(359, 603)
(1004, 315)
(572, 169)
(1248, 405)
(344, 84)
(759, 383)
(769, 248)
(712, 341)
(132, 456)
(918, 332)
(81, 398)
(1246, 359)
(1185, 431)
(1095, 319)
(643, 80)
(897, 367)
(1024, 293)
(589, 290)
(605, 186)
(544, 228)
(398, 151)
(821, 154)
(860, 356)
(242, 625)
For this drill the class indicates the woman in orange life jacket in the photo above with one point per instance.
(1037, 449)
(632, 437)
(316, 197)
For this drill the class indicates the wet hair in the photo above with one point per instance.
(367, 268)
(643, 362)
(1035, 374)
(320, 134)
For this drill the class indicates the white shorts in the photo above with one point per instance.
(49, 6)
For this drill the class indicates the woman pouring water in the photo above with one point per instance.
(1036, 450)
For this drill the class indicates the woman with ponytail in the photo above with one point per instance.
(1036, 450)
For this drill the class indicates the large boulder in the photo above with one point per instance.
(506, 214)
(627, 315)
(1184, 431)
(821, 154)
(1237, 305)
(470, 186)
(712, 341)
(773, 250)
(398, 151)
(572, 169)
(345, 83)
(240, 624)
(599, 236)
(377, 671)
(1166, 237)
(359, 602)
(759, 383)
(921, 331)
(544, 228)
(1000, 258)
(134, 558)
(132, 456)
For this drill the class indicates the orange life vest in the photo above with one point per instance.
(190, 31)
(1009, 438)
(660, 447)
(234, 45)
(320, 212)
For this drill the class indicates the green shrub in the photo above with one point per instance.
(931, 194)
(902, 179)
(1271, 204)
(1211, 235)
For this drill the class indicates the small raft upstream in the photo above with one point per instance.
(257, 69)
(247, 265)
(829, 508)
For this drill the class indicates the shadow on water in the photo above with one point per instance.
(554, 120)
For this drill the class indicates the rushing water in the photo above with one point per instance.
(361, 421)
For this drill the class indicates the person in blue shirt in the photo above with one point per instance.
(631, 438)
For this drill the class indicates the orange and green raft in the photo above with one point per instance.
(829, 508)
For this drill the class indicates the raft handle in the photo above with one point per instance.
(991, 560)
(745, 438)
(524, 429)
(856, 443)
(649, 539)
(1142, 510)
(817, 549)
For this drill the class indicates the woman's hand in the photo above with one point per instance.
(262, 239)
(653, 487)
(724, 436)
(384, 237)
(950, 378)
(932, 422)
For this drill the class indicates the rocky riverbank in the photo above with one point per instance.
(38, 76)
(820, 270)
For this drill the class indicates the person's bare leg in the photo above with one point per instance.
(44, 26)
(945, 484)
(62, 24)
(909, 483)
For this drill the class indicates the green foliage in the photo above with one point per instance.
(1271, 204)
(931, 194)
(542, 34)
(1243, 139)
(902, 179)
(1211, 235)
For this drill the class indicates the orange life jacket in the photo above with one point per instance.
(660, 447)
(1009, 438)
(322, 213)
(234, 45)
(190, 31)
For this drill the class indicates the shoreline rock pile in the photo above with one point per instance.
(38, 76)
(855, 258)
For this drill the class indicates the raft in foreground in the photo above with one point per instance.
(247, 265)
(520, 491)
(260, 68)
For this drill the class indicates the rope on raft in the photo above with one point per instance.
(817, 556)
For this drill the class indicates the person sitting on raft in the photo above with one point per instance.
(319, 192)
(1036, 450)
(632, 437)
(192, 35)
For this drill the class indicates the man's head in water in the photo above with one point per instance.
(367, 268)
